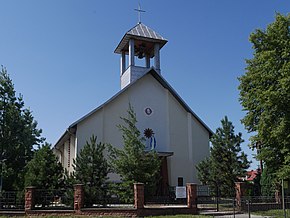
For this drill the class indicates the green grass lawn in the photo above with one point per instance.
(181, 216)
(273, 213)
(176, 216)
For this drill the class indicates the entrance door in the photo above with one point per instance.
(163, 186)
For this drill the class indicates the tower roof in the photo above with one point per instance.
(143, 33)
(142, 30)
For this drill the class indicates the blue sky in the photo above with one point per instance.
(59, 54)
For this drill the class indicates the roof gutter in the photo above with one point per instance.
(67, 132)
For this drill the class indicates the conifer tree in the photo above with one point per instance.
(226, 161)
(44, 171)
(18, 135)
(132, 162)
(91, 169)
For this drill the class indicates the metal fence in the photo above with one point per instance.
(247, 207)
(12, 200)
(216, 204)
(169, 198)
(109, 196)
(267, 206)
(203, 190)
(54, 199)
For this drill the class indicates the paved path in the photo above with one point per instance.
(229, 214)
(241, 216)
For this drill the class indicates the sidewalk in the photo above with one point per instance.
(241, 216)
(229, 214)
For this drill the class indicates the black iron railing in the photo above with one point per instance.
(110, 195)
(54, 199)
(12, 200)
(263, 203)
(168, 198)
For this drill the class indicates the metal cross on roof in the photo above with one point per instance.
(139, 12)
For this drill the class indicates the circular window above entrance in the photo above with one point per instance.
(148, 111)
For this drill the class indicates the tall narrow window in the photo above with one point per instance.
(68, 154)
(180, 181)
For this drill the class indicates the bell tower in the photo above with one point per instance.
(141, 42)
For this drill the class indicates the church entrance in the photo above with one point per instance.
(164, 193)
(163, 188)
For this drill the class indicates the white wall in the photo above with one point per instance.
(175, 129)
(103, 124)
(200, 140)
(179, 163)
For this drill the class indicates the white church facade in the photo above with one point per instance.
(181, 137)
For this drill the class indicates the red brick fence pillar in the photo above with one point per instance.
(191, 195)
(241, 188)
(29, 198)
(78, 197)
(138, 195)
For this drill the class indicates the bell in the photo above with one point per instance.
(141, 55)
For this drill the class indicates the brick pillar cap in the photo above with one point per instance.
(31, 187)
(138, 183)
(191, 184)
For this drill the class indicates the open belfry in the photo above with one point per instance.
(143, 42)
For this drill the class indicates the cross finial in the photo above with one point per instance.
(139, 12)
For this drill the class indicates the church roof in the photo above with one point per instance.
(161, 80)
(141, 32)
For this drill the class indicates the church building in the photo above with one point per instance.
(170, 127)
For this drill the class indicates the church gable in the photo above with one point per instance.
(156, 108)
(150, 92)
(145, 93)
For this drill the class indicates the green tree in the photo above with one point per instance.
(18, 135)
(67, 186)
(226, 161)
(257, 184)
(268, 182)
(44, 170)
(265, 94)
(132, 162)
(91, 169)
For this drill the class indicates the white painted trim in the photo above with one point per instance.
(123, 63)
(157, 57)
(167, 120)
(131, 53)
(76, 146)
(189, 135)
(103, 124)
